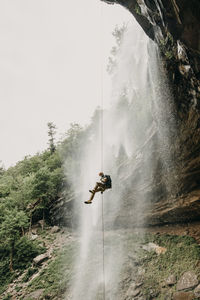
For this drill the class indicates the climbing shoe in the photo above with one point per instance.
(88, 202)
(91, 191)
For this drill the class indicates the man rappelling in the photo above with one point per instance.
(104, 184)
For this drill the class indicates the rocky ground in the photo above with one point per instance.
(160, 263)
(164, 264)
(191, 229)
(43, 280)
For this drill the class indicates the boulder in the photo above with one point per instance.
(183, 296)
(139, 284)
(197, 291)
(33, 237)
(133, 291)
(55, 229)
(41, 223)
(171, 280)
(168, 296)
(188, 280)
(153, 247)
(136, 292)
(35, 295)
(40, 258)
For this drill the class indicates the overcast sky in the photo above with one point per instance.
(50, 68)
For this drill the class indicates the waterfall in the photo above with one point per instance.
(140, 109)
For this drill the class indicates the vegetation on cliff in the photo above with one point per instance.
(26, 192)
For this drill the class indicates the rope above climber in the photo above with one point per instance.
(104, 184)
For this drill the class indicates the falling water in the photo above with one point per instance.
(140, 107)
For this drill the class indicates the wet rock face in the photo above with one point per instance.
(179, 17)
(175, 26)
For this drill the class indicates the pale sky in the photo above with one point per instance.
(51, 55)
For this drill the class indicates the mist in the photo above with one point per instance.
(138, 110)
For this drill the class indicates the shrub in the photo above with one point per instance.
(25, 251)
(29, 273)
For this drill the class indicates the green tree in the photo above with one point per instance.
(6, 185)
(25, 251)
(51, 134)
(2, 169)
(11, 230)
(71, 149)
(46, 186)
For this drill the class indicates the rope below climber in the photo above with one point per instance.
(106, 183)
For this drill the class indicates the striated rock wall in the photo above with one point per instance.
(180, 18)
(175, 26)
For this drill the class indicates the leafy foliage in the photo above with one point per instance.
(29, 273)
(26, 192)
(118, 34)
(25, 251)
(51, 134)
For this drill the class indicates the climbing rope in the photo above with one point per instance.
(101, 128)
(103, 254)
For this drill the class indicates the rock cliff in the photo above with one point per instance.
(175, 26)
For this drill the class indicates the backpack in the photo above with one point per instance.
(108, 182)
